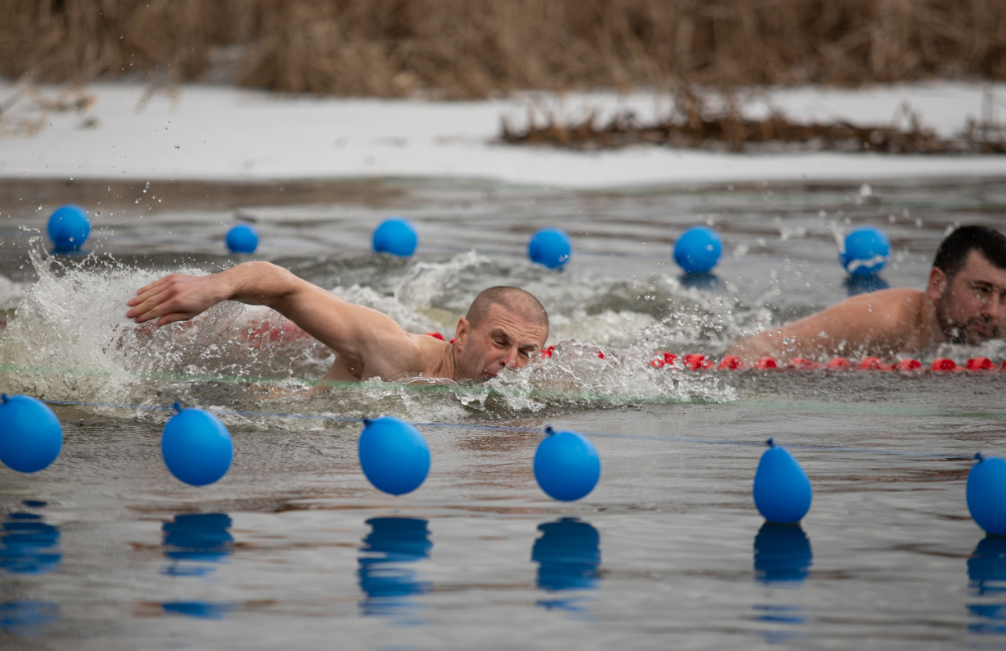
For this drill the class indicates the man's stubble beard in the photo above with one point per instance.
(961, 333)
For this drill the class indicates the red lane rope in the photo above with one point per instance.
(699, 362)
(695, 362)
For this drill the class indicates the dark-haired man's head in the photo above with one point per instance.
(504, 327)
(967, 284)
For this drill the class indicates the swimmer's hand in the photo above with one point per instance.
(177, 297)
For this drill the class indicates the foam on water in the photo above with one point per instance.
(11, 293)
(70, 340)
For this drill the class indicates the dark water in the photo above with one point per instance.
(294, 549)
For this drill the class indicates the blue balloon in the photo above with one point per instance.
(986, 494)
(566, 465)
(865, 251)
(396, 236)
(550, 247)
(30, 434)
(781, 489)
(394, 455)
(196, 446)
(242, 239)
(855, 285)
(698, 250)
(68, 228)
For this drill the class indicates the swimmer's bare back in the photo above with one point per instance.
(367, 343)
(880, 324)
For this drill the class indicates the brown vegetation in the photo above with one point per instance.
(691, 124)
(474, 48)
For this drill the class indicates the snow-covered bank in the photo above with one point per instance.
(224, 133)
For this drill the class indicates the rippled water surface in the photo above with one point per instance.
(294, 549)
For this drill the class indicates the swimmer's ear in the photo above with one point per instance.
(461, 333)
(938, 282)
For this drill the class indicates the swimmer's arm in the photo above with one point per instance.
(371, 343)
(862, 324)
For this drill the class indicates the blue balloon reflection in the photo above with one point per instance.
(987, 577)
(568, 556)
(782, 559)
(706, 281)
(193, 541)
(782, 555)
(388, 585)
(864, 284)
(28, 545)
(27, 618)
(198, 609)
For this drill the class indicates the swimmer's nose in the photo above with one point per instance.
(511, 358)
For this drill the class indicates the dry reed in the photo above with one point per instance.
(691, 124)
(476, 48)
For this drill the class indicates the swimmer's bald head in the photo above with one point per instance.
(513, 299)
(505, 328)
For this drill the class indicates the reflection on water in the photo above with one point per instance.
(198, 609)
(568, 556)
(28, 546)
(193, 543)
(782, 555)
(27, 618)
(864, 284)
(987, 578)
(705, 281)
(384, 576)
(782, 559)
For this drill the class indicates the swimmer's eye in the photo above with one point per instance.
(983, 292)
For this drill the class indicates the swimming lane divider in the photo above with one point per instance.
(527, 430)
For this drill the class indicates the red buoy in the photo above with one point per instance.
(663, 358)
(547, 352)
(268, 331)
(765, 363)
(600, 354)
(732, 363)
(909, 365)
(980, 364)
(874, 364)
(801, 364)
(435, 335)
(838, 363)
(944, 365)
(697, 362)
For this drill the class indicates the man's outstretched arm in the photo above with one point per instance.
(882, 323)
(369, 342)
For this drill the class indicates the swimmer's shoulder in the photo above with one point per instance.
(895, 306)
(431, 354)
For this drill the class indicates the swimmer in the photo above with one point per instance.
(505, 327)
(964, 303)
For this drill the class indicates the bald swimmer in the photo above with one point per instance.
(505, 327)
(963, 303)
